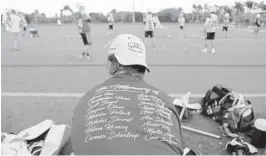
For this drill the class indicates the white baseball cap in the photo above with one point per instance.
(129, 50)
(213, 9)
(226, 15)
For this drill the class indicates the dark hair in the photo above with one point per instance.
(139, 68)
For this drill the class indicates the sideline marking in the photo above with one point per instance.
(78, 95)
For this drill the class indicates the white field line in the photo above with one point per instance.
(78, 95)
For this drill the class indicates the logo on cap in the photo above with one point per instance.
(136, 47)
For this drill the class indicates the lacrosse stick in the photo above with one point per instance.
(184, 104)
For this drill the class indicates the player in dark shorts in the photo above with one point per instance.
(84, 30)
(258, 24)
(181, 22)
(111, 21)
(225, 28)
(110, 26)
(210, 25)
(226, 24)
(210, 36)
(149, 29)
(148, 34)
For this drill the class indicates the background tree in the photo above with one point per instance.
(196, 11)
(239, 8)
(67, 14)
(249, 5)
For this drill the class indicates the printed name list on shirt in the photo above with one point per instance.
(106, 119)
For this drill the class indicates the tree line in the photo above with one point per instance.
(239, 13)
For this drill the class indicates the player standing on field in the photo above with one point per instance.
(14, 23)
(149, 29)
(210, 25)
(226, 24)
(111, 21)
(24, 22)
(181, 22)
(258, 23)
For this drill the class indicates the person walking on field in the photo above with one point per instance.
(14, 24)
(85, 32)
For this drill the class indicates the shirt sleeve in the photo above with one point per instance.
(80, 23)
(207, 21)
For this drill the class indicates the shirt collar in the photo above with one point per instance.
(126, 77)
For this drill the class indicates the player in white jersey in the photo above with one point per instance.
(226, 24)
(181, 22)
(14, 27)
(58, 22)
(111, 22)
(149, 29)
(258, 24)
(210, 25)
(24, 23)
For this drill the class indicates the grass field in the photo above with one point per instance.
(50, 64)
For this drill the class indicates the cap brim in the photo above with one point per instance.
(129, 60)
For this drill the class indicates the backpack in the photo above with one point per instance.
(211, 103)
(226, 106)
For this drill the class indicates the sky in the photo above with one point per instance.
(50, 7)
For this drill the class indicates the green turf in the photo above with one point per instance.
(50, 64)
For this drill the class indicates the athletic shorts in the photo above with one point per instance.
(24, 28)
(149, 33)
(111, 27)
(210, 36)
(225, 28)
(181, 27)
(85, 38)
(257, 28)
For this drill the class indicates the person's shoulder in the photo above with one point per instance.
(159, 93)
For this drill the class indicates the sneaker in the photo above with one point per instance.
(204, 50)
(81, 55)
(88, 56)
(213, 51)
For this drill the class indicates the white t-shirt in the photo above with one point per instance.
(111, 20)
(211, 23)
(181, 21)
(226, 21)
(149, 25)
(14, 23)
(24, 21)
